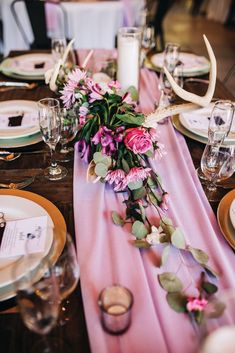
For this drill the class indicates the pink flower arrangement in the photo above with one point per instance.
(196, 304)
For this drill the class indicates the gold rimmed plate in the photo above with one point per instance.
(223, 218)
(17, 203)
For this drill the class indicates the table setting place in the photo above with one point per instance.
(149, 253)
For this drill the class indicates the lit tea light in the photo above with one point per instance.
(221, 340)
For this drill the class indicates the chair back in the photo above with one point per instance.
(36, 10)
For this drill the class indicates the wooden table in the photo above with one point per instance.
(15, 338)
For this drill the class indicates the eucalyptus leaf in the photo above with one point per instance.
(177, 239)
(165, 255)
(177, 301)
(117, 219)
(101, 170)
(167, 226)
(218, 309)
(170, 282)
(142, 211)
(139, 230)
(209, 288)
(153, 200)
(135, 185)
(142, 244)
(149, 154)
(199, 255)
(139, 193)
(210, 271)
(100, 158)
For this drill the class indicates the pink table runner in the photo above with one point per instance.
(106, 256)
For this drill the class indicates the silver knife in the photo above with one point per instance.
(13, 84)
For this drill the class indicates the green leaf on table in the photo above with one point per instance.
(177, 301)
(125, 166)
(199, 255)
(153, 200)
(141, 244)
(139, 230)
(131, 119)
(165, 255)
(217, 308)
(170, 282)
(101, 170)
(209, 288)
(151, 183)
(177, 239)
(139, 193)
(135, 185)
(142, 212)
(101, 158)
(117, 219)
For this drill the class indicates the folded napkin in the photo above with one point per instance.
(199, 119)
(18, 119)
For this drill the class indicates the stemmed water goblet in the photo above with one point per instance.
(220, 122)
(69, 129)
(50, 126)
(217, 164)
(58, 46)
(67, 273)
(170, 62)
(148, 41)
(37, 297)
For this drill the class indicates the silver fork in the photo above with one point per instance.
(20, 185)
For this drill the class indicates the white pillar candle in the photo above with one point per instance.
(128, 57)
(221, 340)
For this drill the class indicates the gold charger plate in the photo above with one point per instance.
(177, 124)
(223, 218)
(59, 230)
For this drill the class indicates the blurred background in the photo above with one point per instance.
(180, 21)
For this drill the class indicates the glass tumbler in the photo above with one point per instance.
(115, 303)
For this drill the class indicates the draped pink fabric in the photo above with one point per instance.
(106, 255)
(128, 13)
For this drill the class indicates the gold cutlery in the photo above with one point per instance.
(19, 185)
(9, 156)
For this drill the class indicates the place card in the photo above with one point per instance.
(17, 233)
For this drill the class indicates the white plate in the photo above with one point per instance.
(199, 118)
(24, 65)
(21, 142)
(193, 65)
(29, 124)
(15, 207)
(232, 213)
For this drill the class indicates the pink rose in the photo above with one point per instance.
(138, 140)
(196, 304)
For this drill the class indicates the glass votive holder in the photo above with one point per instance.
(115, 304)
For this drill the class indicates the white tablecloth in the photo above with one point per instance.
(93, 25)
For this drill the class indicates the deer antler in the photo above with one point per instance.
(161, 113)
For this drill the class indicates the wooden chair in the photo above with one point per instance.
(37, 16)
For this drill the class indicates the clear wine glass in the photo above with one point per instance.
(69, 129)
(170, 62)
(38, 299)
(67, 273)
(148, 41)
(220, 122)
(50, 126)
(217, 164)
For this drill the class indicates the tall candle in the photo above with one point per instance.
(128, 57)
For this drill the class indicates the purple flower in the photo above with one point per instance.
(114, 85)
(104, 136)
(138, 174)
(96, 92)
(68, 93)
(118, 178)
(84, 149)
